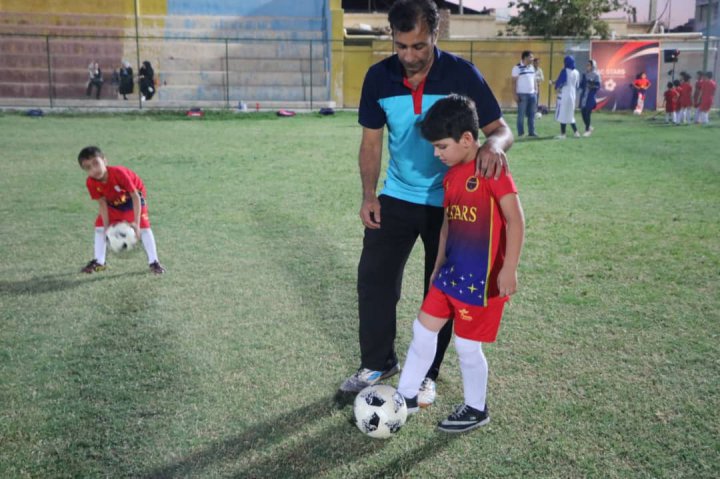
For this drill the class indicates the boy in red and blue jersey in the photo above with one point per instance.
(121, 195)
(476, 268)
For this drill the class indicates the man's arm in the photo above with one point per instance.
(369, 159)
(515, 234)
(491, 158)
(514, 89)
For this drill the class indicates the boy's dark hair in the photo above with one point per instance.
(670, 84)
(450, 117)
(676, 83)
(708, 75)
(89, 152)
(405, 14)
(525, 54)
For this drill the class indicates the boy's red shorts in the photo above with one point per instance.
(117, 216)
(477, 323)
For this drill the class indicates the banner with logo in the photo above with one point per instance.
(619, 63)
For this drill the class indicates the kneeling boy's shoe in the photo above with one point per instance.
(93, 267)
(156, 268)
(412, 405)
(465, 418)
(426, 395)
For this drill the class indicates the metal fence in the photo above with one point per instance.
(52, 70)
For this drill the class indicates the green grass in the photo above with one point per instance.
(606, 365)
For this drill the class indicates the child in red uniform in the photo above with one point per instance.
(476, 267)
(696, 94)
(685, 98)
(641, 85)
(707, 95)
(671, 96)
(121, 195)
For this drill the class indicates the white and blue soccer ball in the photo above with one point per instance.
(121, 237)
(380, 411)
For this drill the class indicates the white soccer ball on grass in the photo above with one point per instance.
(121, 237)
(380, 411)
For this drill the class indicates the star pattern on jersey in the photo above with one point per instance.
(463, 284)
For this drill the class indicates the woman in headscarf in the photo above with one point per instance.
(589, 86)
(127, 84)
(566, 86)
(147, 80)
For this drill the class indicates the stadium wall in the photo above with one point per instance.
(202, 50)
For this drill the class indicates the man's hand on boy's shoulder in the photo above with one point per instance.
(490, 161)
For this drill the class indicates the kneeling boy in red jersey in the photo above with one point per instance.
(121, 196)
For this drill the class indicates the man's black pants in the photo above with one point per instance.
(380, 272)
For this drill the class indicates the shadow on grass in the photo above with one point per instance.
(311, 455)
(56, 282)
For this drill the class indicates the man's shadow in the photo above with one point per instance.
(56, 282)
(317, 453)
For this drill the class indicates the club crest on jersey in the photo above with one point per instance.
(471, 184)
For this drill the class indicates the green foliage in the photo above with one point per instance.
(557, 18)
(606, 365)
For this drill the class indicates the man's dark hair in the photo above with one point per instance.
(525, 54)
(405, 14)
(89, 152)
(450, 117)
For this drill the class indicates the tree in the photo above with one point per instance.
(574, 18)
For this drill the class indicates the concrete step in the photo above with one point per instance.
(116, 104)
(247, 78)
(243, 65)
(261, 94)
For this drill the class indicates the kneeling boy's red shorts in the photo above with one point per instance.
(117, 216)
(477, 323)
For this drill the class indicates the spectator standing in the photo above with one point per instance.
(589, 86)
(566, 86)
(525, 89)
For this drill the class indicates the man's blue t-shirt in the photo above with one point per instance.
(413, 173)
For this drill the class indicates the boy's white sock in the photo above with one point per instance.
(100, 246)
(474, 368)
(148, 241)
(419, 359)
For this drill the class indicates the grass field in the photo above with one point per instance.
(606, 365)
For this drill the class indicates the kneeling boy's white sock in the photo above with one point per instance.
(419, 359)
(100, 246)
(148, 241)
(474, 368)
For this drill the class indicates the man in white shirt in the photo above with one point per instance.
(525, 88)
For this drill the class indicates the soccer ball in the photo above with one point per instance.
(380, 411)
(121, 237)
